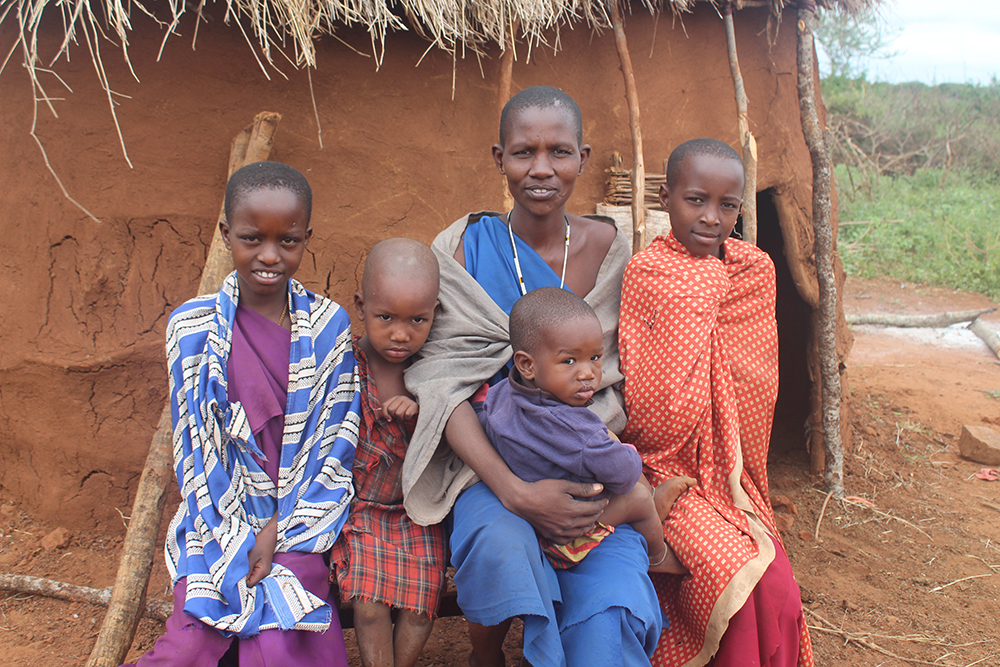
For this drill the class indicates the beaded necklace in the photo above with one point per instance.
(517, 264)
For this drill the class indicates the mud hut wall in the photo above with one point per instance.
(85, 304)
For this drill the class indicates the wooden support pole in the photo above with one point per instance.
(251, 145)
(503, 94)
(632, 95)
(822, 218)
(747, 141)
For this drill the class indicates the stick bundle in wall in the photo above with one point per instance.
(619, 191)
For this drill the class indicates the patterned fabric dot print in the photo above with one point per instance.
(699, 350)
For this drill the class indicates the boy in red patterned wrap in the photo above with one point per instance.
(383, 560)
(699, 350)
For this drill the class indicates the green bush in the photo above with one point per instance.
(899, 128)
(936, 226)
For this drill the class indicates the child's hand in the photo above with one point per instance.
(400, 408)
(262, 553)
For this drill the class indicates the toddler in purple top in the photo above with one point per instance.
(539, 422)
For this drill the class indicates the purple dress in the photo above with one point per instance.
(258, 378)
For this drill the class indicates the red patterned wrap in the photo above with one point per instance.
(699, 350)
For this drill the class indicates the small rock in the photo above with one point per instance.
(784, 522)
(980, 444)
(7, 511)
(891, 620)
(782, 503)
(869, 430)
(847, 605)
(57, 539)
(923, 581)
(805, 536)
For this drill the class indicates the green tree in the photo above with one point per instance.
(850, 41)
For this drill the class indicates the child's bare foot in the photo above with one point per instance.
(669, 564)
(667, 493)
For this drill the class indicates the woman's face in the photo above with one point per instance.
(541, 158)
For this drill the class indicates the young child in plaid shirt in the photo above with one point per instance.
(383, 560)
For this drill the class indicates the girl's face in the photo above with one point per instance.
(267, 234)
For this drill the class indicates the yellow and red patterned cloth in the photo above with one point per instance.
(699, 350)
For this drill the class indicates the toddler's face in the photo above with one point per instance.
(704, 202)
(567, 362)
(267, 234)
(398, 316)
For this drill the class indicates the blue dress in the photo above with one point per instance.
(604, 611)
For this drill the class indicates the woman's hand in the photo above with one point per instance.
(262, 553)
(552, 507)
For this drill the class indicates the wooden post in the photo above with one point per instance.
(747, 140)
(822, 217)
(638, 168)
(503, 94)
(127, 601)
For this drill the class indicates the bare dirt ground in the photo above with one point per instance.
(907, 572)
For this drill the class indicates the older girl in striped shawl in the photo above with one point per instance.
(263, 393)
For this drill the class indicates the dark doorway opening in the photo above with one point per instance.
(794, 317)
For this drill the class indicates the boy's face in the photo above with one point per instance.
(567, 362)
(541, 158)
(704, 202)
(398, 315)
(267, 234)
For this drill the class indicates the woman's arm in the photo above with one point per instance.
(550, 505)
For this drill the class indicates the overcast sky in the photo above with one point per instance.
(942, 42)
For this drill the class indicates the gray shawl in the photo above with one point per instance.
(468, 344)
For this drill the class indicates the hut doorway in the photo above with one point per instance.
(794, 316)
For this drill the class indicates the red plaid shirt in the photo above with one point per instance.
(382, 555)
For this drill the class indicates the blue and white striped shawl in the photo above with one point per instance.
(226, 496)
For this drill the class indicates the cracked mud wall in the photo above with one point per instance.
(84, 306)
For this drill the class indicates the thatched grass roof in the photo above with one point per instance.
(291, 26)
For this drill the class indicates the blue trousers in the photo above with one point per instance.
(603, 611)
